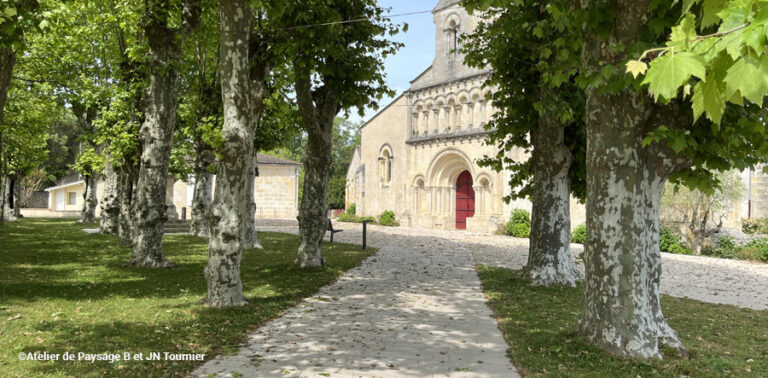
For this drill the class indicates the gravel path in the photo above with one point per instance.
(416, 308)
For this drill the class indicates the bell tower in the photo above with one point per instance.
(451, 22)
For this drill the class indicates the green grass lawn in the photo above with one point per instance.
(539, 324)
(62, 290)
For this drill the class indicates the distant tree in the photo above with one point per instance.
(541, 112)
(701, 214)
(337, 67)
(165, 25)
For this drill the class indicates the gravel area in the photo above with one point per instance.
(708, 279)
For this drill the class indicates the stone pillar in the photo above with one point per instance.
(448, 118)
(457, 117)
(415, 124)
(428, 198)
(469, 106)
(478, 118)
(452, 200)
(435, 127)
(416, 209)
(425, 123)
(440, 118)
(479, 199)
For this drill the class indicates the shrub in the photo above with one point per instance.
(755, 225)
(372, 219)
(679, 249)
(347, 217)
(351, 209)
(520, 231)
(579, 234)
(519, 224)
(756, 249)
(668, 238)
(727, 249)
(387, 218)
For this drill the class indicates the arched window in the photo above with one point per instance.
(453, 37)
(385, 165)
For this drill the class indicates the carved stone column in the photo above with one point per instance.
(428, 192)
(469, 107)
(457, 117)
(448, 118)
(415, 124)
(452, 200)
(435, 127)
(479, 199)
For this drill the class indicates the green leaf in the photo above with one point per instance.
(710, 10)
(708, 98)
(748, 76)
(636, 67)
(9, 12)
(671, 71)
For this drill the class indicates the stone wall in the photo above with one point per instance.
(275, 192)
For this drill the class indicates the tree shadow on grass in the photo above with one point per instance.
(74, 295)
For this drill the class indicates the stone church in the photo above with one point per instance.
(418, 156)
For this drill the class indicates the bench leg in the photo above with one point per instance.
(332, 236)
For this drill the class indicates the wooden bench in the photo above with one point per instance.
(330, 228)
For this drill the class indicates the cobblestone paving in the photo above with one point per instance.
(416, 308)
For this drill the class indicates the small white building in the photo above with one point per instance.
(276, 192)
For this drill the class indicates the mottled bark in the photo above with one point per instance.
(3, 177)
(156, 136)
(127, 216)
(7, 62)
(549, 254)
(110, 203)
(624, 184)
(17, 197)
(250, 237)
(225, 244)
(621, 254)
(202, 196)
(318, 122)
(88, 213)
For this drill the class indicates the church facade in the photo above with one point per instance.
(418, 156)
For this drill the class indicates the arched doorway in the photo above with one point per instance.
(465, 200)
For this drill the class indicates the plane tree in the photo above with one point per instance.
(336, 67)
(535, 56)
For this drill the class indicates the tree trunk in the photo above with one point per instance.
(549, 255)
(250, 237)
(110, 204)
(225, 245)
(127, 216)
(201, 198)
(7, 62)
(156, 136)
(621, 254)
(88, 213)
(313, 220)
(17, 197)
(3, 175)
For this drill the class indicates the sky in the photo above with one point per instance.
(415, 56)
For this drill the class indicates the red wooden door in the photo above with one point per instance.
(465, 200)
